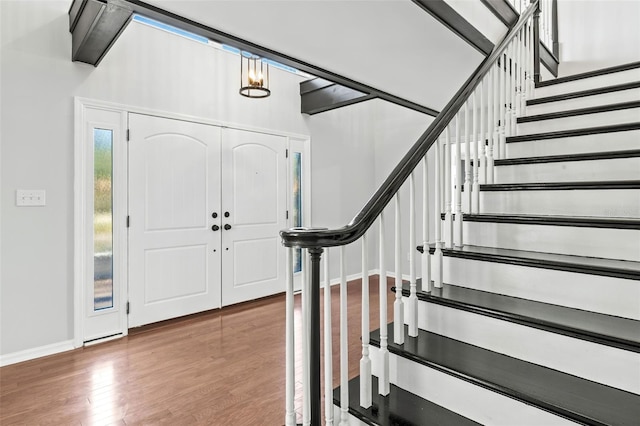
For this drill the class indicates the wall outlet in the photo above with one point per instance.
(30, 197)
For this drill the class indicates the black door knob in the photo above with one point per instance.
(214, 215)
(215, 227)
(226, 214)
(227, 227)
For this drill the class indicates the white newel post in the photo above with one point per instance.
(437, 258)
(475, 189)
(491, 123)
(398, 306)
(468, 172)
(383, 378)
(426, 259)
(344, 343)
(365, 361)
(502, 106)
(457, 233)
(448, 188)
(412, 304)
(482, 146)
(328, 345)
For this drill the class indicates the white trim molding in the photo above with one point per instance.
(29, 354)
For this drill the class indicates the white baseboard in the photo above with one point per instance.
(38, 352)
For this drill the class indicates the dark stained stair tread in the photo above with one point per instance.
(575, 221)
(622, 333)
(560, 186)
(583, 93)
(563, 262)
(580, 111)
(399, 408)
(590, 156)
(589, 74)
(614, 128)
(568, 396)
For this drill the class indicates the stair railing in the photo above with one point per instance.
(485, 108)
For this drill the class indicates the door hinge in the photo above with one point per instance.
(286, 153)
(128, 135)
(128, 221)
(128, 310)
(287, 214)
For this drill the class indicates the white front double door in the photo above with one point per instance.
(205, 205)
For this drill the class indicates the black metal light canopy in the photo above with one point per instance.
(254, 76)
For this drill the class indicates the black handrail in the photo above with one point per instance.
(310, 238)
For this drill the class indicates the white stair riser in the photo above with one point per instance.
(595, 293)
(585, 102)
(629, 115)
(469, 400)
(621, 244)
(589, 83)
(571, 171)
(607, 203)
(618, 141)
(570, 355)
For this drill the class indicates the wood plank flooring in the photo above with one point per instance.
(225, 367)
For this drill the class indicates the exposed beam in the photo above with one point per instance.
(444, 13)
(95, 25)
(503, 11)
(319, 95)
(218, 36)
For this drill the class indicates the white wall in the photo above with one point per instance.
(596, 34)
(152, 69)
(146, 68)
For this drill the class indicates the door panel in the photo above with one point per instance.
(174, 256)
(254, 189)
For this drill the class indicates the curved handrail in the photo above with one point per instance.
(309, 238)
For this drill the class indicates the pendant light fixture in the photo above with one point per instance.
(254, 76)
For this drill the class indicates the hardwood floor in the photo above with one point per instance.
(225, 367)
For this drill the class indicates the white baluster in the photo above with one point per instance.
(365, 361)
(398, 305)
(344, 343)
(512, 93)
(518, 66)
(290, 349)
(448, 188)
(412, 303)
(328, 349)
(468, 172)
(437, 258)
(508, 89)
(306, 339)
(475, 189)
(502, 108)
(383, 378)
(426, 257)
(482, 146)
(531, 82)
(491, 123)
(457, 232)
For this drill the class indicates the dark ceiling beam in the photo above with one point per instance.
(503, 10)
(319, 95)
(444, 13)
(95, 25)
(153, 12)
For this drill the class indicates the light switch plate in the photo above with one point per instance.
(30, 197)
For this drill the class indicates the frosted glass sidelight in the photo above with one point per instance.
(102, 219)
(297, 205)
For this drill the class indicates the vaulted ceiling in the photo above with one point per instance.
(391, 45)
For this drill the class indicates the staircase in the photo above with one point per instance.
(527, 311)
(538, 321)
